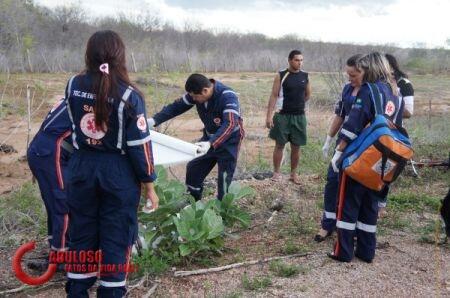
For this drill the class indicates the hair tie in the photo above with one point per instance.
(104, 68)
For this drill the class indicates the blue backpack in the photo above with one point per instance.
(379, 154)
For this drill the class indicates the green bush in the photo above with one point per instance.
(184, 230)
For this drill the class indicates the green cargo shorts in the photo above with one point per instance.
(289, 128)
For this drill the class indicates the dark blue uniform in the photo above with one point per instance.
(342, 109)
(48, 155)
(357, 213)
(104, 184)
(221, 117)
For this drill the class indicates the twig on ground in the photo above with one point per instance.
(26, 287)
(272, 216)
(151, 291)
(236, 265)
(16, 290)
(139, 283)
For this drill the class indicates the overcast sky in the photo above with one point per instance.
(404, 23)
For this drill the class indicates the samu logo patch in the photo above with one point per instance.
(217, 121)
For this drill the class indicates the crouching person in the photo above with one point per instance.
(218, 108)
(48, 156)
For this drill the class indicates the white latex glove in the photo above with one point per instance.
(326, 146)
(203, 147)
(336, 158)
(151, 123)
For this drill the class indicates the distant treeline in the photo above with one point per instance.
(37, 39)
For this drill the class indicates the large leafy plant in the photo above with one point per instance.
(182, 228)
(228, 209)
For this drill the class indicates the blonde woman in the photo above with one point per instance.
(357, 212)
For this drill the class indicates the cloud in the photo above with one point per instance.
(399, 22)
(283, 4)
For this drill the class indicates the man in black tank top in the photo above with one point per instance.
(286, 113)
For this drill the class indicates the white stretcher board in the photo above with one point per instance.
(168, 150)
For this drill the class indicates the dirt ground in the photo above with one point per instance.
(403, 267)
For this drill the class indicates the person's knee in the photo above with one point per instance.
(295, 149)
(279, 147)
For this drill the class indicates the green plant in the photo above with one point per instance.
(184, 229)
(228, 208)
(199, 229)
(256, 283)
(282, 269)
(22, 210)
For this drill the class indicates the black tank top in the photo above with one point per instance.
(292, 92)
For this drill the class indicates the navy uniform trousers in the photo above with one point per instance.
(330, 200)
(198, 168)
(49, 166)
(103, 194)
(357, 215)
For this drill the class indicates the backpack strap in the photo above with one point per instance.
(284, 77)
(375, 95)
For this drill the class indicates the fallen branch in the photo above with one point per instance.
(16, 290)
(151, 291)
(139, 283)
(26, 287)
(236, 265)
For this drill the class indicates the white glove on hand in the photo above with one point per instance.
(203, 147)
(334, 161)
(151, 123)
(326, 147)
(148, 207)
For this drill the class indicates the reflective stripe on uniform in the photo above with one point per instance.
(194, 188)
(345, 225)
(120, 116)
(231, 111)
(348, 134)
(81, 275)
(139, 142)
(226, 133)
(330, 215)
(229, 91)
(59, 249)
(186, 101)
(69, 111)
(112, 284)
(54, 117)
(365, 227)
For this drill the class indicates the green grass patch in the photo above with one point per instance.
(282, 269)
(394, 221)
(290, 248)
(22, 211)
(431, 232)
(409, 201)
(257, 283)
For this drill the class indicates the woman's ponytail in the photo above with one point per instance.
(101, 108)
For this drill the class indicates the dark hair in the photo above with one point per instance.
(394, 65)
(196, 82)
(294, 53)
(106, 47)
(351, 62)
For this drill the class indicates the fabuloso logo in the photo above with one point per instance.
(24, 277)
(84, 261)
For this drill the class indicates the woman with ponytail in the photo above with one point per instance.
(111, 161)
